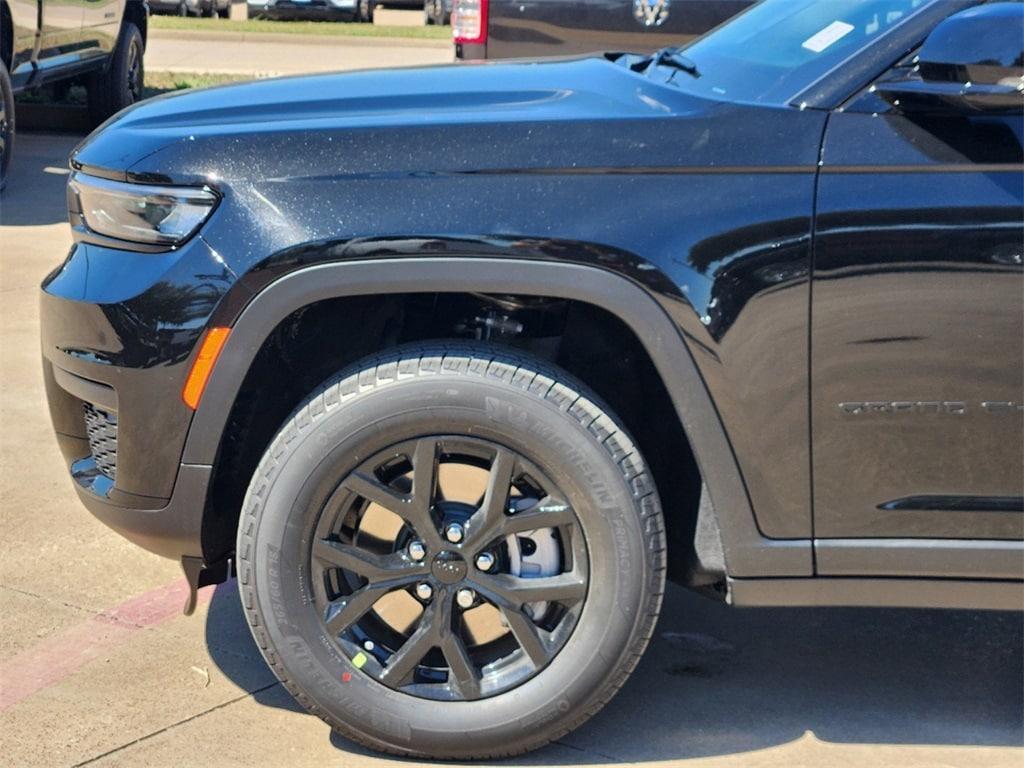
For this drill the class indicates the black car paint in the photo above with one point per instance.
(708, 206)
(570, 27)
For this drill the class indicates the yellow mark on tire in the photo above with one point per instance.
(359, 660)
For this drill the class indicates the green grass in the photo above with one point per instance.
(331, 28)
(162, 82)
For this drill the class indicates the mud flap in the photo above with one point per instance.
(199, 575)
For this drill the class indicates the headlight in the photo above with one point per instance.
(139, 213)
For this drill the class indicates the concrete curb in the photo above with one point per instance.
(296, 39)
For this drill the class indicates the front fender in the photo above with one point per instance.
(747, 552)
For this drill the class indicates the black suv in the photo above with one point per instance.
(747, 315)
(97, 42)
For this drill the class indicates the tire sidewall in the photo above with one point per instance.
(620, 580)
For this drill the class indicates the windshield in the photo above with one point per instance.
(780, 47)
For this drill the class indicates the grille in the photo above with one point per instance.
(101, 428)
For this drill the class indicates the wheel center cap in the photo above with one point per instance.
(449, 567)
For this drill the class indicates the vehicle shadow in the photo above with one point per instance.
(718, 680)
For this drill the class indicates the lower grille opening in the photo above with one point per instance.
(101, 429)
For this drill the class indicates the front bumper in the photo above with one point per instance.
(118, 332)
(172, 526)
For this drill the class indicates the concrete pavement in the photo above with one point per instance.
(286, 54)
(98, 667)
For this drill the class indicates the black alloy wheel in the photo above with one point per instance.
(516, 551)
(452, 551)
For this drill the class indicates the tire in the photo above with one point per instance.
(365, 11)
(224, 12)
(182, 8)
(6, 124)
(582, 494)
(119, 85)
(437, 12)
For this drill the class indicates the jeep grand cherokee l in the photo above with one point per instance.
(747, 315)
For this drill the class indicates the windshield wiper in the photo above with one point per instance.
(671, 57)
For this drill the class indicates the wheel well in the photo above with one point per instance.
(135, 12)
(319, 340)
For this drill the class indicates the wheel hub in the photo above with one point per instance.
(449, 567)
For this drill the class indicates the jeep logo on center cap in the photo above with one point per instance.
(449, 567)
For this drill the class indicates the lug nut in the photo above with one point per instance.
(465, 597)
(424, 591)
(368, 645)
(485, 561)
(416, 550)
(454, 533)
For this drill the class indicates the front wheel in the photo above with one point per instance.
(452, 552)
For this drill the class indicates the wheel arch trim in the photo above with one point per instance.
(747, 552)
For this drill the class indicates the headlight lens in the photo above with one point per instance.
(139, 213)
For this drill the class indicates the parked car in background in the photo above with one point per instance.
(313, 10)
(501, 29)
(99, 43)
(221, 8)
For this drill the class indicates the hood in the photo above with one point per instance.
(522, 116)
(416, 101)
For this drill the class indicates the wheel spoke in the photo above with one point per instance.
(414, 508)
(424, 474)
(549, 512)
(514, 591)
(486, 522)
(462, 672)
(374, 568)
(527, 634)
(346, 611)
(374, 491)
(405, 660)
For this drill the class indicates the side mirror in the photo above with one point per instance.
(972, 61)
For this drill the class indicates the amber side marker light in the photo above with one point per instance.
(209, 351)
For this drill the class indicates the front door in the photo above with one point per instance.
(917, 321)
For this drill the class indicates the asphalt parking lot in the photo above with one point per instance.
(98, 667)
